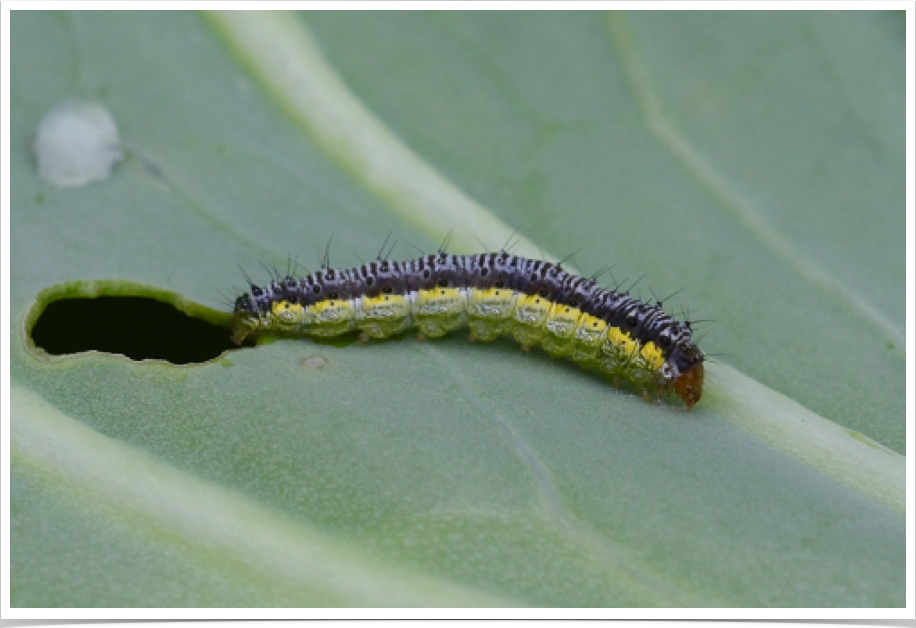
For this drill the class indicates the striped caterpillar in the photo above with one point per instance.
(537, 302)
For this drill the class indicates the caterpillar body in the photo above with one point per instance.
(620, 337)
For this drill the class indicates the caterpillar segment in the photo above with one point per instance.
(538, 303)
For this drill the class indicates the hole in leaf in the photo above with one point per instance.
(139, 328)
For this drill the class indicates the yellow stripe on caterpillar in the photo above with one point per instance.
(490, 312)
(384, 315)
(438, 311)
(330, 318)
(537, 302)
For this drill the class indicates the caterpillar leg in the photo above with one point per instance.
(648, 396)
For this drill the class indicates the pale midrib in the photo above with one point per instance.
(847, 457)
(282, 56)
(753, 220)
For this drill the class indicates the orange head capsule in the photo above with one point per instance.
(689, 386)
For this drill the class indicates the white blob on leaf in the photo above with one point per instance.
(76, 143)
(315, 362)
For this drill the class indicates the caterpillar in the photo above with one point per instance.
(620, 337)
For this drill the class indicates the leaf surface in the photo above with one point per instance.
(729, 153)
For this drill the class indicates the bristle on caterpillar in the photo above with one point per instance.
(537, 302)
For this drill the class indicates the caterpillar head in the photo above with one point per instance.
(688, 384)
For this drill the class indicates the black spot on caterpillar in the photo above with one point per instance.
(623, 338)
